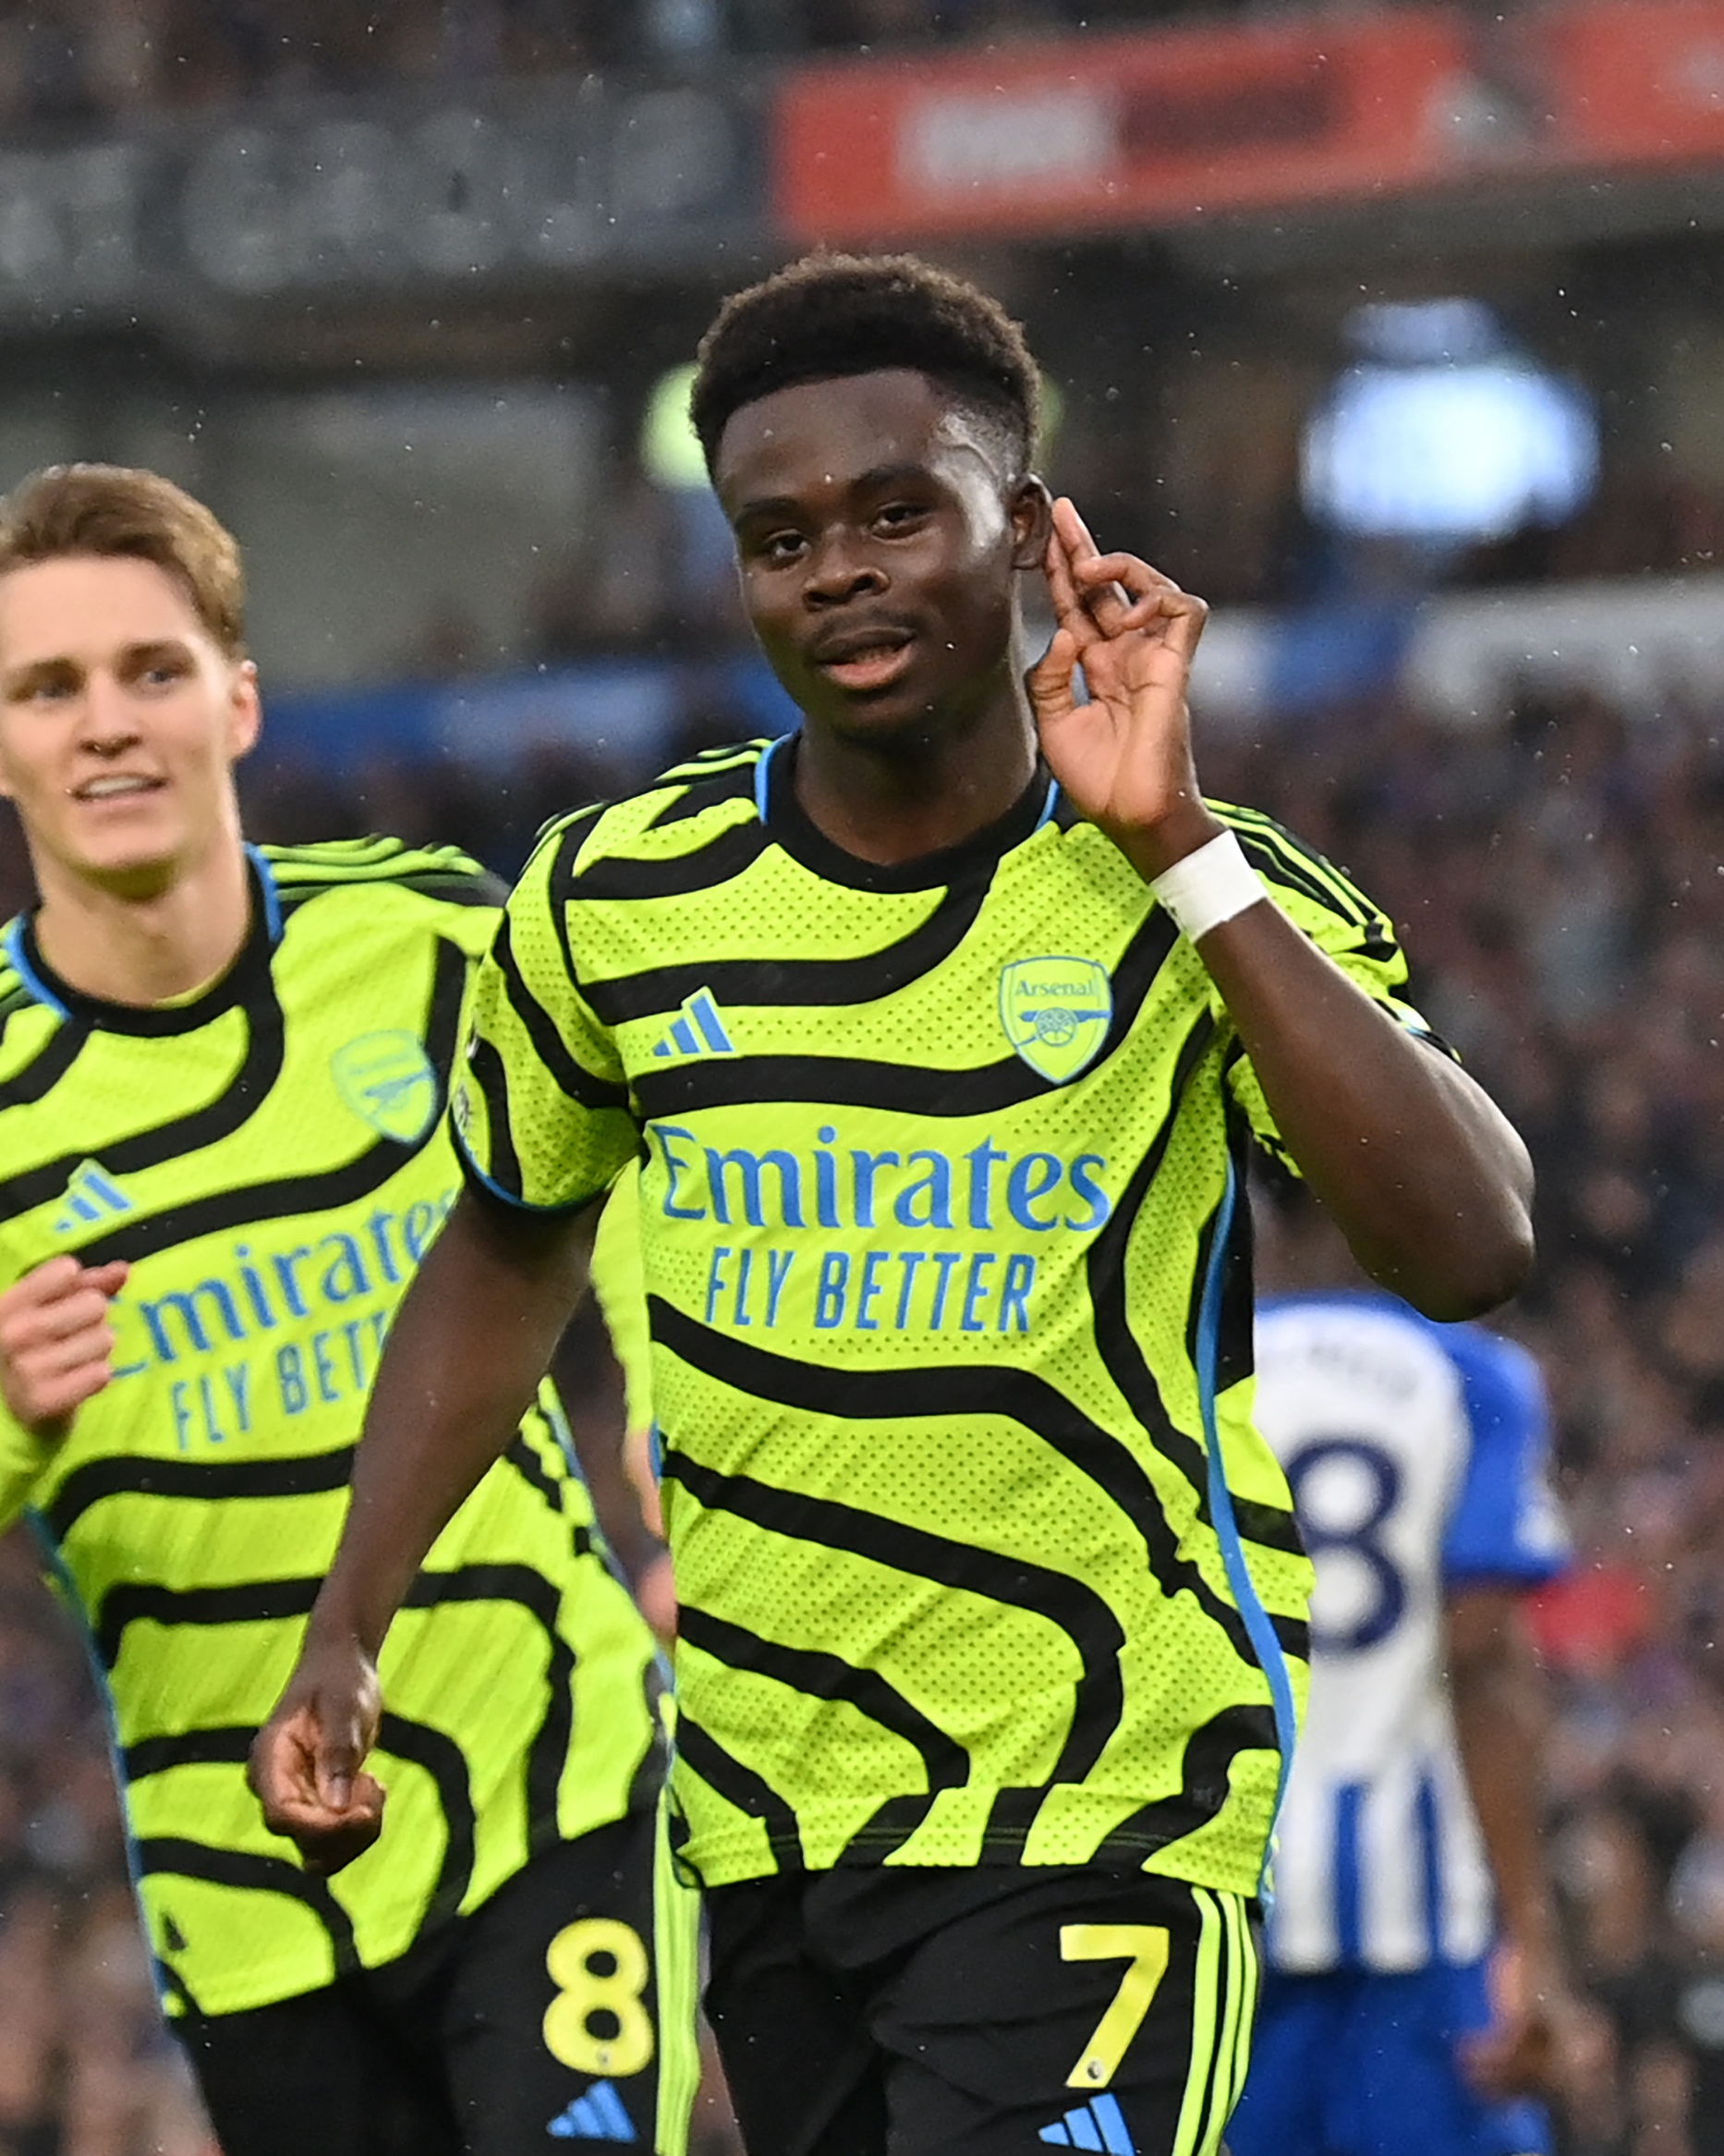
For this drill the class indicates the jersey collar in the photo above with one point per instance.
(239, 984)
(786, 822)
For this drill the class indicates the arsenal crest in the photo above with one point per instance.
(1055, 1013)
(387, 1080)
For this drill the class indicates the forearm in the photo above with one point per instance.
(1502, 1719)
(1417, 1166)
(472, 1338)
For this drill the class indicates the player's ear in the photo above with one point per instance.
(245, 710)
(1031, 511)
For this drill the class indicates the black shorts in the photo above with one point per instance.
(560, 2010)
(981, 2013)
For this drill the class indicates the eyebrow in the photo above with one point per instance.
(881, 475)
(16, 681)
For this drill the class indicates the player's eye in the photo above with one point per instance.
(779, 548)
(898, 518)
(163, 673)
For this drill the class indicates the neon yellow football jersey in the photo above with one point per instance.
(979, 1558)
(272, 1159)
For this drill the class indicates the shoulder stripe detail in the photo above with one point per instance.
(1287, 860)
(790, 981)
(173, 1853)
(628, 876)
(828, 1677)
(924, 1393)
(38, 1078)
(248, 1203)
(743, 1787)
(985, 1089)
(250, 1087)
(706, 789)
(1210, 1751)
(580, 1084)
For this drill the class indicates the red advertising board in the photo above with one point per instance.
(1635, 81)
(1150, 129)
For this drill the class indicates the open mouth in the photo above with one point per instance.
(116, 786)
(861, 667)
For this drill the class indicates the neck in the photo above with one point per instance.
(922, 791)
(147, 950)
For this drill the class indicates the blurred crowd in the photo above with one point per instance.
(1558, 874)
(87, 60)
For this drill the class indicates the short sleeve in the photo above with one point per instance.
(1341, 920)
(540, 1107)
(1505, 1525)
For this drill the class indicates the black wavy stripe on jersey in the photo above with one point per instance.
(42, 1073)
(1064, 1603)
(945, 1393)
(246, 1204)
(174, 1853)
(307, 1475)
(797, 982)
(275, 1598)
(486, 1069)
(740, 1785)
(574, 1078)
(1118, 1345)
(724, 858)
(828, 1677)
(1204, 1788)
(725, 1081)
(245, 1091)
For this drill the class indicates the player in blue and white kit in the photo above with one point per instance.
(1408, 1844)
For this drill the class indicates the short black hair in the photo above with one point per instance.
(836, 315)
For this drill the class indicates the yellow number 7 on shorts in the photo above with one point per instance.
(1146, 1947)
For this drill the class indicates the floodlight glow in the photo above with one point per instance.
(1449, 452)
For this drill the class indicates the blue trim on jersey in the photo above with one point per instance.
(1049, 804)
(1259, 1629)
(763, 773)
(469, 1166)
(1349, 1921)
(28, 974)
(271, 899)
(1425, 1811)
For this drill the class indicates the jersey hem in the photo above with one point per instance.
(731, 1859)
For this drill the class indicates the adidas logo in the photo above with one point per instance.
(1099, 2124)
(698, 1031)
(91, 1195)
(597, 2116)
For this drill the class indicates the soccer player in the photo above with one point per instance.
(1409, 1842)
(222, 1075)
(942, 1024)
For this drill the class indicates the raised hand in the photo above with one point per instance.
(307, 1759)
(1123, 758)
(56, 1342)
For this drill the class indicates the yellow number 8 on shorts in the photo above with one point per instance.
(599, 1967)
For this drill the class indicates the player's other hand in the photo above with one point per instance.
(1543, 2040)
(56, 1342)
(1124, 757)
(306, 1762)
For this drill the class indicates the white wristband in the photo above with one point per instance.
(1208, 886)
